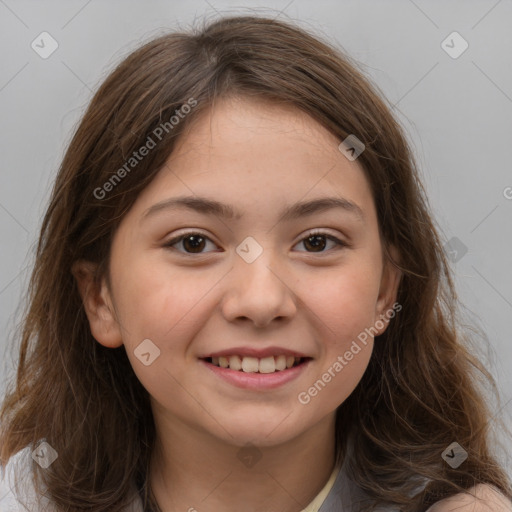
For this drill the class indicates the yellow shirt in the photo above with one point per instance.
(315, 505)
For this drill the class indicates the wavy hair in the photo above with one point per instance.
(423, 387)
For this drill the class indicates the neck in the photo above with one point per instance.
(194, 471)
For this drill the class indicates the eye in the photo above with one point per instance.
(192, 242)
(317, 241)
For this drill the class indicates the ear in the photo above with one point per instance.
(386, 306)
(97, 304)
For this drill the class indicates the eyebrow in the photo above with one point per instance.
(207, 206)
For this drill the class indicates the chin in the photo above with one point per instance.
(262, 433)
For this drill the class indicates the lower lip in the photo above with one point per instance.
(257, 380)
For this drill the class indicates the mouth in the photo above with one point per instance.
(265, 365)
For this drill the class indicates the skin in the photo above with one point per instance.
(258, 157)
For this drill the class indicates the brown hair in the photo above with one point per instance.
(422, 389)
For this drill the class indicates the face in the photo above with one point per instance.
(242, 275)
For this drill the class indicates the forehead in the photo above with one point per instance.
(256, 155)
(242, 122)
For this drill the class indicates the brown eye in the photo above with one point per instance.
(194, 243)
(191, 243)
(317, 242)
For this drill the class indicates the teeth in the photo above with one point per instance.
(235, 363)
(268, 364)
(250, 364)
(280, 363)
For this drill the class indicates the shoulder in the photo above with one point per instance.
(481, 498)
(17, 490)
(18, 493)
(9, 484)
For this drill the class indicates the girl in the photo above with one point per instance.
(240, 300)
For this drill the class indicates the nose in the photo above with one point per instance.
(258, 292)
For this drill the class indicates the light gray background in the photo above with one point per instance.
(458, 113)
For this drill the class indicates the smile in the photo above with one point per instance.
(247, 364)
(257, 373)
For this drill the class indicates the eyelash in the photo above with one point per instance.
(312, 233)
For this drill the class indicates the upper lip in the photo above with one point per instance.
(255, 352)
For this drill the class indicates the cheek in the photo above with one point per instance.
(168, 308)
(157, 302)
(344, 302)
(344, 307)
(340, 374)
